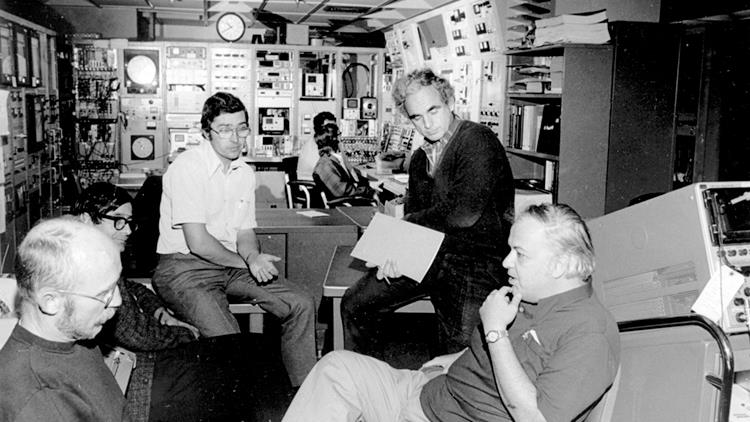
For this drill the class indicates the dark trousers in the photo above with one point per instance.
(457, 285)
(237, 377)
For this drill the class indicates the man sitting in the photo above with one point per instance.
(548, 358)
(334, 171)
(67, 274)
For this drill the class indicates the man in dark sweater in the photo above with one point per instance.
(460, 183)
(67, 274)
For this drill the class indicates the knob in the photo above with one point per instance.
(741, 317)
(739, 301)
(746, 291)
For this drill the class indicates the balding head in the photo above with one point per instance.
(62, 257)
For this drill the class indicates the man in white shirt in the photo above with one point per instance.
(207, 245)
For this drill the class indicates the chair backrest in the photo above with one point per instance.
(603, 410)
(8, 290)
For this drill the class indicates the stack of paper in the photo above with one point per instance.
(521, 15)
(590, 28)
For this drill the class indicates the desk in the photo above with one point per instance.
(304, 244)
(360, 216)
(343, 271)
(386, 179)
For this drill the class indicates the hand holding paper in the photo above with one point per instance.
(406, 248)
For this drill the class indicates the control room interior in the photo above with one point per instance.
(643, 132)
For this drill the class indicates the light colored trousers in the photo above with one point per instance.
(347, 386)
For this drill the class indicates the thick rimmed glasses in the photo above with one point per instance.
(106, 301)
(120, 222)
(226, 132)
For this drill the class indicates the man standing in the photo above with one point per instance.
(67, 275)
(547, 359)
(207, 246)
(460, 183)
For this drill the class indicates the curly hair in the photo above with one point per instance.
(327, 136)
(416, 80)
(217, 104)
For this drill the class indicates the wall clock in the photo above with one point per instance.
(230, 26)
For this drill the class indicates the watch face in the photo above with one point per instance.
(230, 26)
(492, 336)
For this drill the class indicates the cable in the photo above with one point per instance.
(350, 90)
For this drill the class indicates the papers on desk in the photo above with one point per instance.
(312, 213)
(412, 246)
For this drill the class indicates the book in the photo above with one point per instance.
(573, 33)
(549, 132)
(575, 18)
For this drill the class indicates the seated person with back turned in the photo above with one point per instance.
(548, 358)
(334, 171)
(191, 379)
(308, 154)
(67, 274)
(460, 183)
(208, 248)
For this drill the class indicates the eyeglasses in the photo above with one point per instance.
(105, 302)
(120, 222)
(225, 132)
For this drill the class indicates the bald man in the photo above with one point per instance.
(67, 274)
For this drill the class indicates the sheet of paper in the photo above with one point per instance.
(411, 246)
(718, 293)
(312, 213)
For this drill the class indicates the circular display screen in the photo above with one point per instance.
(141, 70)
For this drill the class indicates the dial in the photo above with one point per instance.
(230, 26)
(142, 148)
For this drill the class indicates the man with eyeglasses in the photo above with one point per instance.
(67, 274)
(208, 249)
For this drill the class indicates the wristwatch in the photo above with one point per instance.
(495, 335)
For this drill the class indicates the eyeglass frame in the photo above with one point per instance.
(228, 133)
(116, 219)
(106, 303)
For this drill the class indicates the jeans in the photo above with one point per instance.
(198, 291)
(457, 285)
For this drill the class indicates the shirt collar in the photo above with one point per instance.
(549, 304)
(213, 162)
(442, 142)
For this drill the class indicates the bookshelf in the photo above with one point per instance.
(564, 142)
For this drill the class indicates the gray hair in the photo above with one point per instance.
(418, 79)
(568, 234)
(45, 256)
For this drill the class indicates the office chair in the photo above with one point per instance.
(346, 201)
(299, 193)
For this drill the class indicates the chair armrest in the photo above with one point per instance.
(302, 183)
(354, 200)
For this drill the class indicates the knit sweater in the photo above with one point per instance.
(470, 198)
(43, 380)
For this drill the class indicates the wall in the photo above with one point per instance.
(110, 22)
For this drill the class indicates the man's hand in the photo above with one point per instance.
(498, 310)
(388, 270)
(262, 268)
(166, 318)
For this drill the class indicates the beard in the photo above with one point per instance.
(69, 325)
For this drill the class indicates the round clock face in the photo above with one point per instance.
(141, 70)
(142, 148)
(230, 26)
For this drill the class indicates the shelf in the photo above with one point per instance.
(550, 50)
(535, 97)
(94, 120)
(303, 98)
(531, 154)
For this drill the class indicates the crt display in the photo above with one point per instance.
(730, 211)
